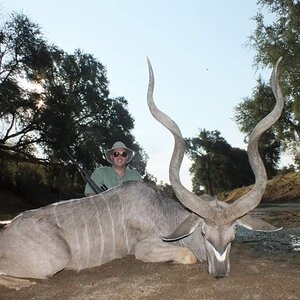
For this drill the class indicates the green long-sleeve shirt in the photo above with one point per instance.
(107, 176)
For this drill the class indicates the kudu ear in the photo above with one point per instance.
(184, 229)
(256, 224)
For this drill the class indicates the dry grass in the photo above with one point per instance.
(281, 188)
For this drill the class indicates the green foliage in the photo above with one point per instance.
(78, 113)
(22, 50)
(280, 37)
(37, 184)
(253, 109)
(167, 191)
(216, 165)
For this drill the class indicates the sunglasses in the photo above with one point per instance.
(124, 154)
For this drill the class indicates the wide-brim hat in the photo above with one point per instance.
(119, 145)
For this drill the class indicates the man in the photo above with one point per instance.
(108, 177)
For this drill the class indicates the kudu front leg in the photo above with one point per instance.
(155, 250)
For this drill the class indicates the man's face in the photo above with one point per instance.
(119, 157)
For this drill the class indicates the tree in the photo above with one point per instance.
(53, 101)
(78, 113)
(23, 53)
(281, 37)
(216, 165)
(253, 109)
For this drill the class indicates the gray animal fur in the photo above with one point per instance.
(89, 232)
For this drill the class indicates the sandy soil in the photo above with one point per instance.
(252, 277)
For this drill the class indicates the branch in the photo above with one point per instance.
(7, 150)
(22, 132)
(6, 137)
(28, 142)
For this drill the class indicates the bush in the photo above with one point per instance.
(39, 184)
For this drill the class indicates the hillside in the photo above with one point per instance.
(281, 188)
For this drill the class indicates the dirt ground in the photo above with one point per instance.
(252, 277)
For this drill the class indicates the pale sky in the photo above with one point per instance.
(197, 49)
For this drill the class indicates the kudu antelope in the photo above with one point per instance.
(135, 219)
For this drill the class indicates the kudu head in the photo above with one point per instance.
(217, 219)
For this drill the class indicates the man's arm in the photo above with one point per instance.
(97, 178)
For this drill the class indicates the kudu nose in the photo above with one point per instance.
(220, 271)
